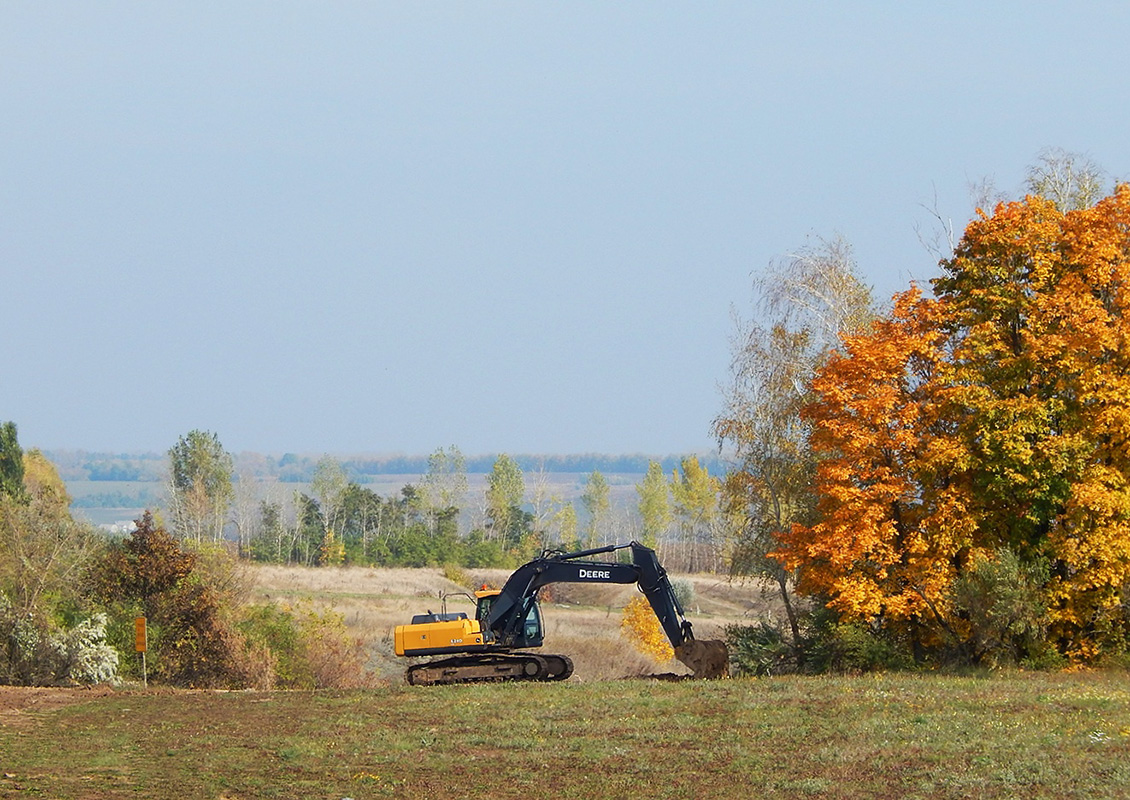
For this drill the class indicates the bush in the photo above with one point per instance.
(307, 649)
(641, 627)
(1001, 597)
(85, 656)
(26, 655)
(458, 576)
(32, 653)
(188, 598)
(760, 650)
(684, 592)
(835, 646)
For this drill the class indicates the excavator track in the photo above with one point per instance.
(490, 667)
(560, 668)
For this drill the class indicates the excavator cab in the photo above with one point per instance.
(531, 633)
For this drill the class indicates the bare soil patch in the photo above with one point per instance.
(21, 704)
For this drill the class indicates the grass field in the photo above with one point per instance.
(904, 736)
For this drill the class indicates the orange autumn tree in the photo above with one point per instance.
(892, 505)
(991, 421)
(1084, 351)
(1039, 300)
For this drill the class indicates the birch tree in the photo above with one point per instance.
(802, 308)
(200, 485)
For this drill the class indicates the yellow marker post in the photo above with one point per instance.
(141, 644)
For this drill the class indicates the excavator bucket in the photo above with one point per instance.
(706, 658)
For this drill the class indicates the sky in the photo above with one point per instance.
(523, 227)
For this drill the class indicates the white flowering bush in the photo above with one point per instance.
(33, 655)
(84, 655)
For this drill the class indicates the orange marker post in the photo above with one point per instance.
(141, 644)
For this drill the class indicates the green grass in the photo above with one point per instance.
(905, 736)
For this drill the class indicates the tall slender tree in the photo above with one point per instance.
(11, 462)
(654, 504)
(597, 501)
(506, 490)
(696, 504)
(201, 486)
(802, 308)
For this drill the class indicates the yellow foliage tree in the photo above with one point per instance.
(641, 627)
(992, 419)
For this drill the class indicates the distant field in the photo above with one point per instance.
(128, 498)
(834, 738)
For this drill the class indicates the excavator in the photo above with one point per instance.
(494, 645)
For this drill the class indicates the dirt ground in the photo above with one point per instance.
(19, 704)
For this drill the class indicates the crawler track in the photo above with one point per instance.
(491, 667)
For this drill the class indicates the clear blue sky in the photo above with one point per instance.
(389, 227)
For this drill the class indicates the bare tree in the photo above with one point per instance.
(1070, 180)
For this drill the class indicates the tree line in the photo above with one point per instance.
(80, 465)
(946, 480)
(70, 593)
(438, 520)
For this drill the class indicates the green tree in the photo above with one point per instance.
(201, 477)
(597, 500)
(43, 551)
(565, 520)
(506, 489)
(43, 548)
(445, 484)
(329, 486)
(309, 530)
(654, 504)
(11, 462)
(270, 540)
(696, 502)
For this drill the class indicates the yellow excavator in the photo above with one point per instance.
(494, 645)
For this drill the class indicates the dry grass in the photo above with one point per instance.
(582, 621)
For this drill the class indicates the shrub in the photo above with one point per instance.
(307, 649)
(26, 655)
(760, 650)
(336, 660)
(1001, 597)
(32, 653)
(458, 576)
(835, 646)
(85, 656)
(188, 599)
(641, 627)
(684, 592)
